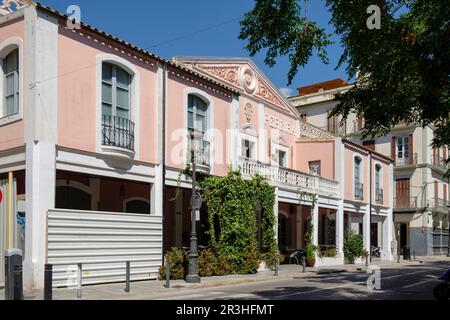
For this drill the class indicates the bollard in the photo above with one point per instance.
(167, 272)
(304, 265)
(80, 280)
(277, 266)
(48, 282)
(127, 277)
(410, 258)
(414, 255)
(18, 282)
(398, 258)
(367, 261)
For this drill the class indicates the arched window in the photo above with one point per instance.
(137, 206)
(116, 97)
(358, 179)
(68, 197)
(197, 114)
(10, 70)
(378, 189)
(118, 129)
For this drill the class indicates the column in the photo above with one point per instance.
(262, 140)
(387, 224)
(299, 226)
(41, 127)
(366, 229)
(340, 228)
(275, 212)
(315, 221)
(157, 191)
(233, 134)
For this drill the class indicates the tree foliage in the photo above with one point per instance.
(403, 68)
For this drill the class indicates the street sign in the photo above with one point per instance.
(1, 196)
(196, 202)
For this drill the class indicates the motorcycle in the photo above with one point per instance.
(375, 252)
(442, 290)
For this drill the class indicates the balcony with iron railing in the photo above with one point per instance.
(439, 203)
(406, 161)
(440, 162)
(359, 191)
(379, 196)
(118, 133)
(201, 155)
(292, 178)
(405, 202)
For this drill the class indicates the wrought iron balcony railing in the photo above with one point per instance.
(439, 203)
(408, 161)
(405, 202)
(440, 162)
(359, 191)
(201, 156)
(118, 132)
(379, 196)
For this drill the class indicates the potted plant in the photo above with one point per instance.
(311, 255)
(353, 247)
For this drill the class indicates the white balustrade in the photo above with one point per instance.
(301, 180)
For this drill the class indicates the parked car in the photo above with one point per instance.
(442, 290)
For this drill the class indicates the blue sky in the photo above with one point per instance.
(152, 24)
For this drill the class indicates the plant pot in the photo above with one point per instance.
(310, 262)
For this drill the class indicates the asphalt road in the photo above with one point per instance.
(405, 283)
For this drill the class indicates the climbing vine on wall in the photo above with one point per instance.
(232, 219)
(310, 247)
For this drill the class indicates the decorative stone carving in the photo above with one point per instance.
(265, 93)
(248, 111)
(309, 131)
(299, 130)
(9, 6)
(229, 74)
(247, 79)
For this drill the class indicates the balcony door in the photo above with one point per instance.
(403, 197)
(198, 122)
(116, 105)
(403, 153)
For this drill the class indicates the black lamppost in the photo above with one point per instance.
(448, 226)
(193, 276)
(258, 212)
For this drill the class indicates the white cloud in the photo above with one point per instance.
(287, 92)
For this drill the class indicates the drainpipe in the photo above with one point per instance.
(370, 204)
(163, 158)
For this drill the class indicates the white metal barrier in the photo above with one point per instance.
(102, 242)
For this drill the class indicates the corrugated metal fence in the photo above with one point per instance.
(103, 242)
(15, 227)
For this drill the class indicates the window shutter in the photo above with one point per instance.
(329, 121)
(436, 193)
(394, 139)
(411, 147)
(445, 194)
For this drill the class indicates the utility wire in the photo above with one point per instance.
(195, 33)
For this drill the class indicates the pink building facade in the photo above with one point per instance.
(95, 131)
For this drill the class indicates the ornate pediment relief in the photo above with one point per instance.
(246, 79)
(227, 73)
(9, 6)
(311, 132)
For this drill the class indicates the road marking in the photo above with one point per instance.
(419, 283)
(349, 284)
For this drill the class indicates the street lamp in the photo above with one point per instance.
(448, 226)
(196, 203)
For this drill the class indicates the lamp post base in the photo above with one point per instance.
(193, 279)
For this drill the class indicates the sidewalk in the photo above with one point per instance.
(147, 290)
